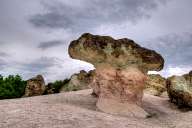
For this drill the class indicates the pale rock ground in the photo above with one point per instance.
(77, 110)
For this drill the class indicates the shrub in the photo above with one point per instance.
(12, 87)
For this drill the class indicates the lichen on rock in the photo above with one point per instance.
(155, 85)
(78, 81)
(120, 74)
(179, 89)
(119, 53)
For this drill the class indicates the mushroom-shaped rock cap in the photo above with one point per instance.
(119, 53)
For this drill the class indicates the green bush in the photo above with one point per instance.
(12, 87)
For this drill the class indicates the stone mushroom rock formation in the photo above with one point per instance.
(35, 86)
(120, 74)
(179, 89)
(155, 85)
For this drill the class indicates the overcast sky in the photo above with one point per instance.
(35, 34)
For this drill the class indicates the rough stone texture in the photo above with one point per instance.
(79, 81)
(78, 110)
(188, 78)
(155, 85)
(119, 91)
(35, 86)
(119, 53)
(179, 89)
(121, 67)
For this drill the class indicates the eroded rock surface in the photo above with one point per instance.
(120, 74)
(79, 81)
(179, 89)
(155, 85)
(35, 86)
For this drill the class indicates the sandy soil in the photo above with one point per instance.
(77, 110)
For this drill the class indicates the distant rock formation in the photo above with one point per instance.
(179, 89)
(79, 81)
(120, 75)
(155, 85)
(35, 86)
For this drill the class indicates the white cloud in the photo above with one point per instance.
(173, 70)
(177, 70)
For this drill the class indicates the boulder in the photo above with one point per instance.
(79, 81)
(155, 85)
(120, 74)
(35, 86)
(179, 89)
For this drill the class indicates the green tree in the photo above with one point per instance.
(11, 87)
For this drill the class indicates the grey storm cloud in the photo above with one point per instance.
(2, 64)
(50, 44)
(175, 48)
(40, 64)
(92, 13)
(3, 54)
